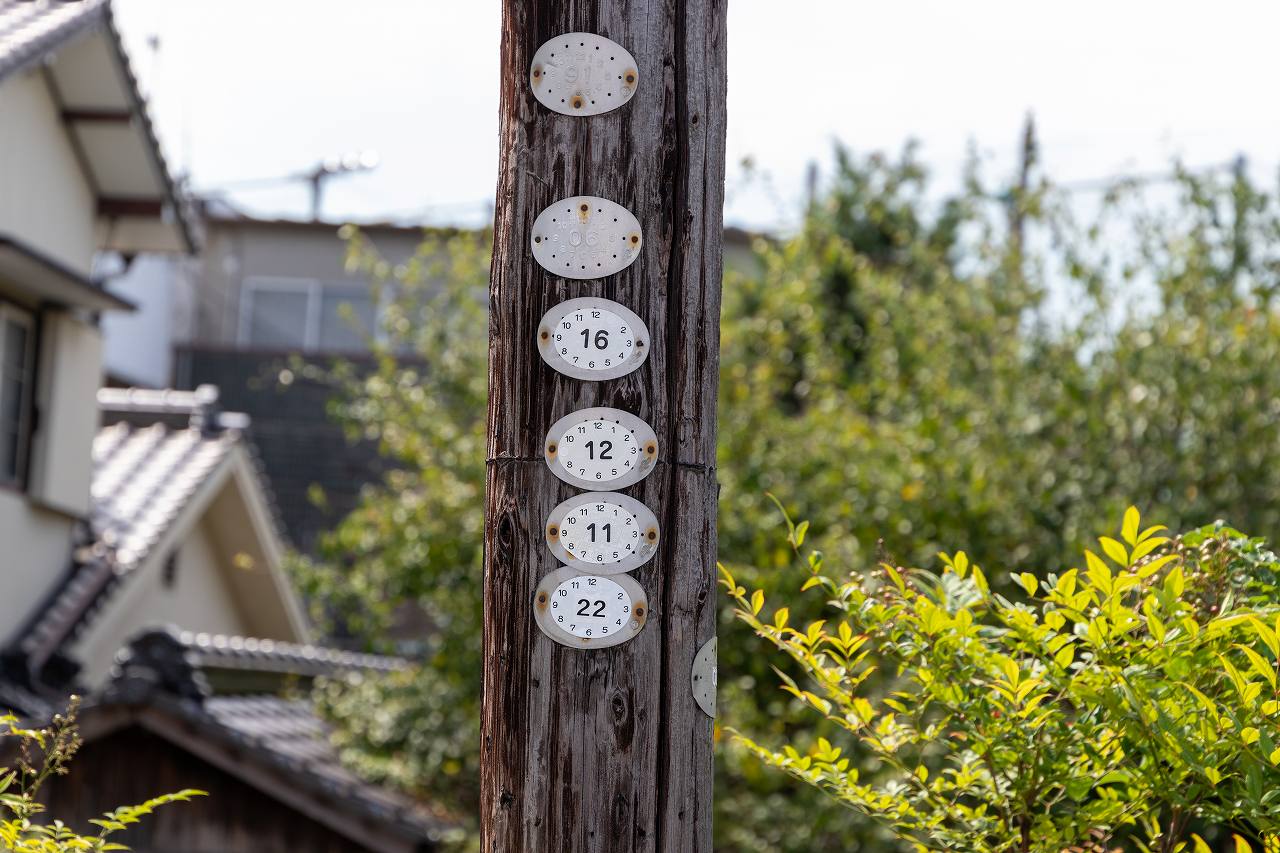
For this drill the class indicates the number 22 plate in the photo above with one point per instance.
(589, 611)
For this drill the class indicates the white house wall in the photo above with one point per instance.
(69, 373)
(45, 200)
(199, 600)
(35, 550)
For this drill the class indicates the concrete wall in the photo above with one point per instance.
(139, 346)
(45, 198)
(200, 599)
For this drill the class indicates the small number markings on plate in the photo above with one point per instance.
(586, 237)
(583, 74)
(601, 448)
(606, 532)
(589, 611)
(592, 338)
(590, 605)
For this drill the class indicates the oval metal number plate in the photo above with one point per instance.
(601, 448)
(704, 678)
(603, 532)
(592, 338)
(583, 74)
(589, 611)
(586, 237)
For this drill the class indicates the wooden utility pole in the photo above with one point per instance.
(605, 749)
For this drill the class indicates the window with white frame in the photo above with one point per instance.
(306, 314)
(17, 374)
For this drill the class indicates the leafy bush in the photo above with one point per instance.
(41, 754)
(1123, 700)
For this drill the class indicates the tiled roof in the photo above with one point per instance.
(29, 29)
(164, 669)
(217, 650)
(285, 735)
(188, 664)
(18, 700)
(143, 478)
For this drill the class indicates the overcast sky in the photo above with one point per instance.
(245, 90)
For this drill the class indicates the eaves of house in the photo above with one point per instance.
(76, 48)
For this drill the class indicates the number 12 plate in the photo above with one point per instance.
(601, 449)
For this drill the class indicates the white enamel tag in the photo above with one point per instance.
(583, 74)
(602, 532)
(704, 678)
(586, 237)
(601, 448)
(589, 611)
(592, 338)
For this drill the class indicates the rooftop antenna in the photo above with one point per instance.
(358, 161)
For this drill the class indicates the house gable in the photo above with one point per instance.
(187, 586)
(65, 63)
(215, 569)
(182, 533)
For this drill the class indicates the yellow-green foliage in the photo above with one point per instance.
(1117, 701)
(41, 754)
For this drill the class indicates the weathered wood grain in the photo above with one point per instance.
(606, 751)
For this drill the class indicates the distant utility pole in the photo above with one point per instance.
(598, 696)
(1019, 196)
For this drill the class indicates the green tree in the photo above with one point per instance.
(414, 543)
(909, 371)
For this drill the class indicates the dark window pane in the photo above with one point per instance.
(11, 399)
(345, 329)
(8, 455)
(15, 346)
(278, 319)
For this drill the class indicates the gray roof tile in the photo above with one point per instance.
(31, 28)
(166, 669)
(143, 478)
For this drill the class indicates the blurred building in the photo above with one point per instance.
(80, 172)
(141, 560)
(262, 294)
